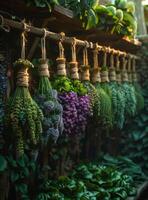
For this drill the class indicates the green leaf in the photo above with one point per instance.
(3, 163)
(14, 176)
(23, 188)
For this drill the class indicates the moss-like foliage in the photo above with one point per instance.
(106, 116)
(24, 117)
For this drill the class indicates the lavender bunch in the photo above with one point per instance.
(69, 101)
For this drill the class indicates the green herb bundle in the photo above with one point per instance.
(128, 89)
(104, 113)
(47, 99)
(23, 115)
(85, 76)
(118, 100)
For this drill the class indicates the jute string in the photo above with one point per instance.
(118, 73)
(73, 64)
(104, 74)
(124, 71)
(129, 70)
(43, 69)
(85, 67)
(112, 72)
(23, 76)
(96, 77)
(134, 74)
(61, 66)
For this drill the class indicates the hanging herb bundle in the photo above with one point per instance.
(128, 89)
(118, 100)
(85, 77)
(105, 75)
(67, 96)
(104, 113)
(24, 116)
(47, 100)
(83, 99)
(138, 90)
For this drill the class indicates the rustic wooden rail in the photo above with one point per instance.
(57, 36)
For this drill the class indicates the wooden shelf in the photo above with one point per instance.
(63, 20)
(107, 39)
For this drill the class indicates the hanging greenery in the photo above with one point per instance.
(104, 113)
(23, 115)
(47, 100)
(128, 89)
(85, 76)
(67, 96)
(83, 99)
(118, 100)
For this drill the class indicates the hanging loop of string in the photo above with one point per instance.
(104, 57)
(117, 62)
(85, 54)
(135, 79)
(129, 69)
(95, 57)
(23, 40)
(73, 50)
(96, 70)
(85, 73)
(61, 48)
(73, 64)
(112, 72)
(124, 71)
(61, 68)
(43, 69)
(43, 44)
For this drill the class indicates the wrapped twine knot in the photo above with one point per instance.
(134, 74)
(118, 71)
(85, 73)
(104, 73)
(74, 70)
(61, 66)
(129, 70)
(61, 61)
(23, 78)
(43, 69)
(85, 76)
(112, 71)
(74, 64)
(96, 77)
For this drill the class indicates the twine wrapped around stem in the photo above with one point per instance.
(85, 76)
(129, 70)
(104, 73)
(61, 66)
(96, 77)
(74, 64)
(118, 72)
(124, 70)
(112, 71)
(134, 74)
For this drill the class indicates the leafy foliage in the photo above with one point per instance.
(23, 115)
(134, 135)
(89, 182)
(127, 166)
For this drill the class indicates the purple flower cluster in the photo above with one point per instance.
(83, 113)
(69, 102)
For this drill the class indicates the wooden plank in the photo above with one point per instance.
(107, 39)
